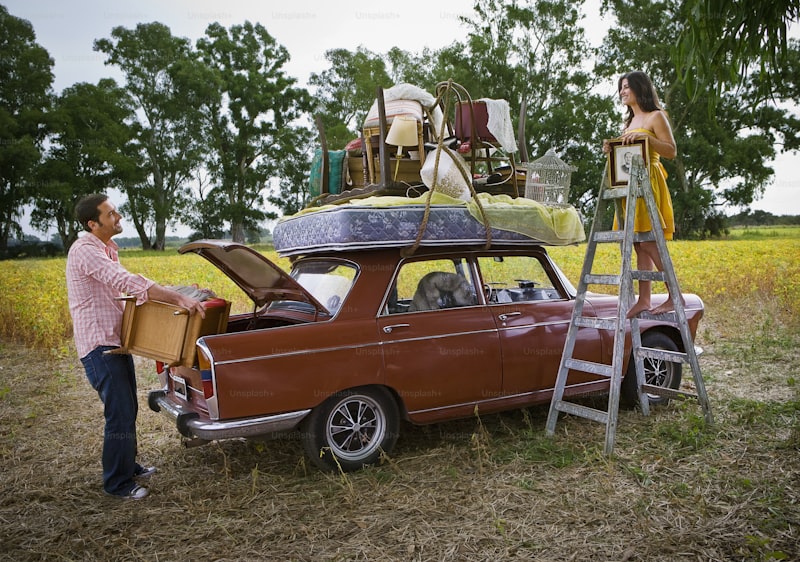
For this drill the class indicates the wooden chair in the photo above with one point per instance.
(484, 150)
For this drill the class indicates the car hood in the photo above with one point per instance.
(262, 280)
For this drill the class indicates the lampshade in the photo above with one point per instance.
(403, 131)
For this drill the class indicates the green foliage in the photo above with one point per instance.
(247, 119)
(723, 157)
(722, 40)
(87, 142)
(165, 126)
(542, 48)
(25, 79)
(346, 91)
(213, 135)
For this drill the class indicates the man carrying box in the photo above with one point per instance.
(95, 281)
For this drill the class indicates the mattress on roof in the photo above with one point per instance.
(356, 225)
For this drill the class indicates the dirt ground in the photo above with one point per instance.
(489, 488)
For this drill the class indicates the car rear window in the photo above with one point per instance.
(328, 281)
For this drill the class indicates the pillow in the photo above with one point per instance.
(337, 172)
(453, 176)
(411, 108)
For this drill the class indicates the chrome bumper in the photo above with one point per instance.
(190, 425)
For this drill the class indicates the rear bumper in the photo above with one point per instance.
(190, 424)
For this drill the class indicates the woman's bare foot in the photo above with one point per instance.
(637, 308)
(666, 307)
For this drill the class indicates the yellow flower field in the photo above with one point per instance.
(732, 276)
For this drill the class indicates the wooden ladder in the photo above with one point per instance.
(638, 187)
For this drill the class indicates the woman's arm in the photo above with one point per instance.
(663, 142)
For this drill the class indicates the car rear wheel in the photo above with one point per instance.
(656, 371)
(351, 429)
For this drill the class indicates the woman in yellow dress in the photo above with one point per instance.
(646, 118)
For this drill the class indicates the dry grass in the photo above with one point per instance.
(493, 488)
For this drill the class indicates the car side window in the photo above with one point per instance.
(431, 285)
(515, 279)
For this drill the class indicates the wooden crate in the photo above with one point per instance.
(408, 171)
(165, 332)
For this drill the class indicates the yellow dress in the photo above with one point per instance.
(658, 180)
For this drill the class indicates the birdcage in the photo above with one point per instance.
(548, 180)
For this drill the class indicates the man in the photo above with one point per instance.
(95, 280)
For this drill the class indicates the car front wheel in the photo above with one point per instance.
(351, 429)
(657, 372)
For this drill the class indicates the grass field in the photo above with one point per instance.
(488, 488)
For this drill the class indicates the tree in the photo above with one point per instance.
(346, 91)
(723, 41)
(250, 109)
(26, 77)
(291, 193)
(87, 141)
(166, 128)
(535, 51)
(723, 157)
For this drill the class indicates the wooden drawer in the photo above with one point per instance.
(165, 332)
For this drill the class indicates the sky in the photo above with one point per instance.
(307, 28)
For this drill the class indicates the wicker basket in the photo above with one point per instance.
(548, 180)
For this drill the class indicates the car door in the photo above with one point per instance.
(532, 312)
(440, 346)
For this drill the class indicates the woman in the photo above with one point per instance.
(646, 119)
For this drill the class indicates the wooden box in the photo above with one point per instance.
(408, 171)
(165, 332)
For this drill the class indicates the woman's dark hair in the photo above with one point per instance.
(643, 89)
(87, 209)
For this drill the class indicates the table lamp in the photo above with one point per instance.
(402, 132)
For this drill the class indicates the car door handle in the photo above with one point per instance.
(507, 315)
(388, 329)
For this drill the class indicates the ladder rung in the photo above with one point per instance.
(663, 354)
(648, 236)
(599, 323)
(582, 411)
(667, 392)
(664, 317)
(589, 367)
(609, 236)
(615, 193)
(595, 279)
(643, 275)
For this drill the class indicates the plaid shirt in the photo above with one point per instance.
(95, 279)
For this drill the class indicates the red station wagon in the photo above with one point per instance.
(351, 342)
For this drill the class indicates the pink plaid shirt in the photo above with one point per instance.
(95, 279)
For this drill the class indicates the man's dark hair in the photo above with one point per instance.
(87, 209)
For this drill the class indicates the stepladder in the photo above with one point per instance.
(630, 342)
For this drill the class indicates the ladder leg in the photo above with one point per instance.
(577, 311)
(671, 280)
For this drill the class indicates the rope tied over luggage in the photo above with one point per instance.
(446, 94)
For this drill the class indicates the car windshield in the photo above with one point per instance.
(328, 281)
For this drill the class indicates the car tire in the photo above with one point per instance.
(656, 371)
(351, 429)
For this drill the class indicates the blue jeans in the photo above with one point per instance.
(114, 379)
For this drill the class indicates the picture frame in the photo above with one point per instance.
(619, 159)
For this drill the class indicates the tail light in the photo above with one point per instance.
(205, 373)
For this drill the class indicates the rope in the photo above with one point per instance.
(407, 252)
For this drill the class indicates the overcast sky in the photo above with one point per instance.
(307, 28)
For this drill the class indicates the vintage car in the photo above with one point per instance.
(352, 342)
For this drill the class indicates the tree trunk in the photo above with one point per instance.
(237, 231)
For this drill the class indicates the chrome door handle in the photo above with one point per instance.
(388, 329)
(507, 315)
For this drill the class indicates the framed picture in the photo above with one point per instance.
(620, 158)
